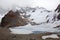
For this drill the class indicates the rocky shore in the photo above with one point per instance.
(6, 35)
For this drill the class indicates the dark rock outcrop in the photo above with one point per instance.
(12, 19)
(58, 17)
(57, 26)
(58, 8)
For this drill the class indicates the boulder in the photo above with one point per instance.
(12, 19)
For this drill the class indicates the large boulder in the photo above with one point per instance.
(12, 19)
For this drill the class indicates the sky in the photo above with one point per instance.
(48, 4)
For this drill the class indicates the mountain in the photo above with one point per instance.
(40, 20)
(43, 21)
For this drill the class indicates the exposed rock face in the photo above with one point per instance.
(58, 8)
(12, 19)
(58, 17)
(57, 26)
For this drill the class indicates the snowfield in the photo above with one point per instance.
(41, 16)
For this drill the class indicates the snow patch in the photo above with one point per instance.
(50, 36)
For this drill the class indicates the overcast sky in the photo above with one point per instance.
(48, 4)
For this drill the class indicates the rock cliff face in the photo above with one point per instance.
(58, 17)
(12, 19)
(58, 8)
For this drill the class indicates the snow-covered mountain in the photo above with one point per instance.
(43, 21)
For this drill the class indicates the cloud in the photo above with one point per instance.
(49, 4)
